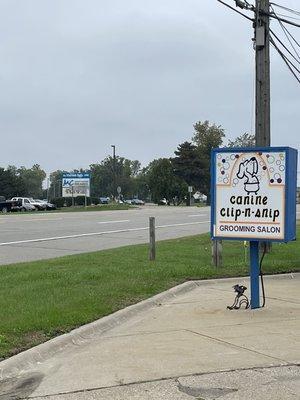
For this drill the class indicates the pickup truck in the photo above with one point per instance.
(8, 205)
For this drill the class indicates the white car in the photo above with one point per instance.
(25, 203)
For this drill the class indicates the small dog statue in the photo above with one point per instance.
(240, 298)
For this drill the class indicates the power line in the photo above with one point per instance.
(286, 8)
(288, 16)
(286, 57)
(287, 34)
(272, 15)
(286, 60)
(283, 45)
(232, 8)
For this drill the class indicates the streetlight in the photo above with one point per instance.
(114, 168)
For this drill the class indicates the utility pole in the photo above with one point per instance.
(114, 168)
(262, 62)
(262, 81)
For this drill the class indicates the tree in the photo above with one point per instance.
(207, 137)
(55, 189)
(11, 184)
(244, 140)
(110, 173)
(33, 180)
(162, 181)
(188, 165)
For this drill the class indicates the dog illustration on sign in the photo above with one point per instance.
(248, 169)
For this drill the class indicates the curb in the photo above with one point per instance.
(28, 359)
(38, 354)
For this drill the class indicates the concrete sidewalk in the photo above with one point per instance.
(182, 346)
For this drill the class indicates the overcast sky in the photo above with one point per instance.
(79, 75)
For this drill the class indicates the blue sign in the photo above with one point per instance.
(76, 175)
(76, 184)
(253, 194)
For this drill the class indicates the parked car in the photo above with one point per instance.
(24, 203)
(39, 204)
(164, 202)
(50, 206)
(128, 201)
(137, 202)
(8, 205)
(103, 200)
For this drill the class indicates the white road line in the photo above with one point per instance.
(113, 222)
(95, 234)
(41, 219)
(196, 215)
(34, 219)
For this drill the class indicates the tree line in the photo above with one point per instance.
(167, 178)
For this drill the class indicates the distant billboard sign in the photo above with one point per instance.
(76, 184)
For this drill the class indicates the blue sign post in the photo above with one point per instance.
(253, 194)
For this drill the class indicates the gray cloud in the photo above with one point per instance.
(77, 76)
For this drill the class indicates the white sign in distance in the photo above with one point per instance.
(119, 189)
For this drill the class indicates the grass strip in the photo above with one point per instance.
(42, 299)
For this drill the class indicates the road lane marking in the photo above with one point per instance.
(196, 215)
(96, 233)
(34, 219)
(113, 222)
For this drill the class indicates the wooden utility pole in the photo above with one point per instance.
(262, 79)
(262, 62)
(216, 253)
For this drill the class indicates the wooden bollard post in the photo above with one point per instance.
(216, 251)
(151, 238)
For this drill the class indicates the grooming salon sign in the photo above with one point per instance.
(254, 194)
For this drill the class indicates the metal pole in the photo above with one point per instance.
(262, 62)
(151, 238)
(114, 169)
(254, 273)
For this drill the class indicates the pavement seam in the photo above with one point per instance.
(38, 354)
(25, 360)
(169, 378)
(236, 346)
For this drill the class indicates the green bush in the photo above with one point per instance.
(58, 201)
(80, 201)
(95, 200)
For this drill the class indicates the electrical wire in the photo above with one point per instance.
(287, 34)
(261, 275)
(286, 8)
(288, 16)
(288, 60)
(284, 46)
(232, 8)
(285, 59)
(272, 15)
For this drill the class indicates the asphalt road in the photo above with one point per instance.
(46, 235)
(27, 237)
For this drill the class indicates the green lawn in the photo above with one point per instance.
(42, 299)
